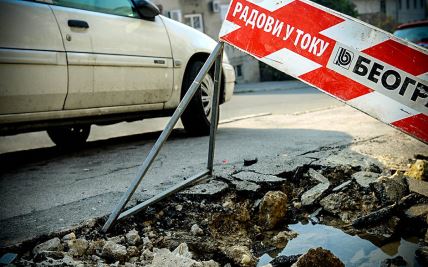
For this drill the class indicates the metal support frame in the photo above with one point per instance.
(217, 56)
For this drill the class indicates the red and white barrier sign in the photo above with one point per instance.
(359, 64)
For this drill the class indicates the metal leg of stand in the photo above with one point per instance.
(215, 109)
(162, 138)
(163, 195)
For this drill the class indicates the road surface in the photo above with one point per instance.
(43, 189)
(276, 98)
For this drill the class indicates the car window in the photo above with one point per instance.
(114, 7)
(415, 34)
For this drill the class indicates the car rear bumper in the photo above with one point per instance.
(229, 81)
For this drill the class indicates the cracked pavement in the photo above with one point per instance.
(46, 190)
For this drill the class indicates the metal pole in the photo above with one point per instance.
(215, 108)
(162, 138)
(163, 195)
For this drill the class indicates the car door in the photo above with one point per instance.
(33, 65)
(114, 57)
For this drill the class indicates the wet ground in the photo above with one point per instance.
(258, 213)
(351, 250)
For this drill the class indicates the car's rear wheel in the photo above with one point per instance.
(71, 136)
(197, 117)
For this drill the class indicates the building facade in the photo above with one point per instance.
(401, 11)
(207, 16)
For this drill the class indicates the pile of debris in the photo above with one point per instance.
(244, 212)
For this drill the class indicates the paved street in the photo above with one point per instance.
(252, 99)
(43, 189)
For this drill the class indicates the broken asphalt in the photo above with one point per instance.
(46, 190)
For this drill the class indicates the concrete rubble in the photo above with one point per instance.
(364, 178)
(313, 194)
(245, 211)
(133, 238)
(53, 244)
(179, 257)
(272, 208)
(418, 170)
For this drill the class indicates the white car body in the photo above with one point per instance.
(120, 68)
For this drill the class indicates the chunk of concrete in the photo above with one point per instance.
(272, 208)
(245, 186)
(53, 244)
(133, 238)
(313, 194)
(364, 179)
(77, 247)
(318, 257)
(345, 157)
(342, 186)
(418, 186)
(68, 237)
(114, 252)
(317, 176)
(258, 178)
(241, 256)
(390, 190)
(181, 256)
(281, 164)
(212, 188)
(281, 239)
(133, 251)
(196, 230)
(418, 170)
(417, 211)
(66, 261)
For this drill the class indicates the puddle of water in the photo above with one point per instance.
(351, 250)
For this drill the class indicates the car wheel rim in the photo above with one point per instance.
(207, 89)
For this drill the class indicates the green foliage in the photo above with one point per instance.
(343, 6)
(380, 20)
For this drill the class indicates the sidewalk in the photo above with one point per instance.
(268, 86)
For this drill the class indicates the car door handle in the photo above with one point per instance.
(78, 23)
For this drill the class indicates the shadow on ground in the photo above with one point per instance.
(41, 189)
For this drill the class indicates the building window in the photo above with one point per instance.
(239, 70)
(408, 4)
(383, 6)
(175, 15)
(415, 4)
(194, 21)
(422, 3)
(114, 7)
(400, 4)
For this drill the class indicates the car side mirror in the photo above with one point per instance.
(146, 9)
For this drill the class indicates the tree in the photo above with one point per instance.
(343, 6)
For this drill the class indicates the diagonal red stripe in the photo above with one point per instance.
(400, 56)
(416, 125)
(335, 84)
(297, 14)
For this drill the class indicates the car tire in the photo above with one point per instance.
(69, 137)
(196, 118)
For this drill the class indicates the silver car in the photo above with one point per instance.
(68, 64)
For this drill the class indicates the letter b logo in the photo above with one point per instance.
(344, 58)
